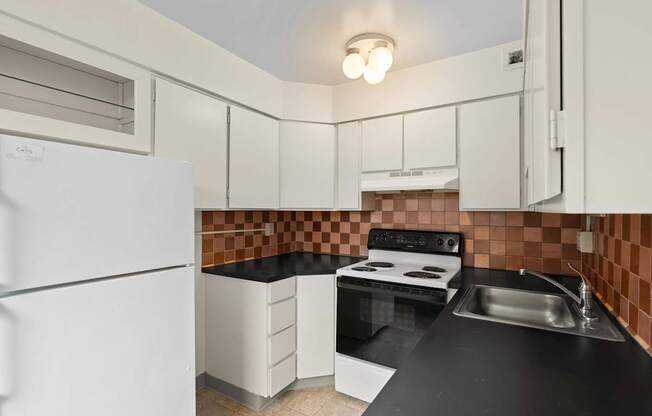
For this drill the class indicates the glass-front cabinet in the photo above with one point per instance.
(55, 88)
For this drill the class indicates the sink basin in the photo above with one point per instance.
(534, 310)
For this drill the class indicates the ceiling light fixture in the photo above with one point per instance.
(369, 55)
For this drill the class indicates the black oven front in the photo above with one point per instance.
(382, 322)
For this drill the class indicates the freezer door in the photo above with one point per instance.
(120, 346)
(70, 213)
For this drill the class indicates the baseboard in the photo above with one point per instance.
(254, 401)
(200, 381)
(312, 382)
(251, 400)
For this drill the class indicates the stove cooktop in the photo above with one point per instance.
(418, 258)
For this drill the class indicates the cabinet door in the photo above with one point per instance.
(542, 94)
(307, 165)
(430, 139)
(254, 160)
(349, 152)
(382, 144)
(63, 90)
(315, 326)
(490, 154)
(191, 126)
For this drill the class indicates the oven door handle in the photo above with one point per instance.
(434, 296)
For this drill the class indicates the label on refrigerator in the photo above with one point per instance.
(29, 152)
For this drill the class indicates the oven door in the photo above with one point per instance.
(382, 322)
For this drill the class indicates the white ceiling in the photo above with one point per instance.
(303, 40)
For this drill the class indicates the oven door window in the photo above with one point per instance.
(382, 323)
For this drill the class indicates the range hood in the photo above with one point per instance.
(446, 179)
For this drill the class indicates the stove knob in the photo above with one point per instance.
(451, 242)
(440, 241)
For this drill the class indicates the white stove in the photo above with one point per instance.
(385, 304)
(434, 263)
(428, 270)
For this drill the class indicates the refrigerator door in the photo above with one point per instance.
(71, 213)
(112, 347)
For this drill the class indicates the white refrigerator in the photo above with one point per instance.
(96, 282)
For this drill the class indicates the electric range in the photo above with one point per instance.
(386, 303)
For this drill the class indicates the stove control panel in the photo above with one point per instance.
(431, 242)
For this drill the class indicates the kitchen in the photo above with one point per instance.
(424, 207)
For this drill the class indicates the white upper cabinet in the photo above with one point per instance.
(430, 139)
(307, 165)
(542, 100)
(191, 126)
(382, 144)
(54, 88)
(254, 160)
(349, 158)
(490, 154)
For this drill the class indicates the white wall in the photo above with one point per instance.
(465, 77)
(130, 30)
(307, 102)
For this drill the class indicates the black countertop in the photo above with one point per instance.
(273, 268)
(472, 367)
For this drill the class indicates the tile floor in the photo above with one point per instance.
(322, 401)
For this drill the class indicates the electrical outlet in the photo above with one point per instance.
(269, 229)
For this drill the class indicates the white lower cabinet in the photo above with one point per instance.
(282, 345)
(260, 337)
(251, 333)
(282, 374)
(315, 326)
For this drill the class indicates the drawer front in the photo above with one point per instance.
(282, 345)
(282, 315)
(282, 375)
(282, 289)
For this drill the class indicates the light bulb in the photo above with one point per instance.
(353, 65)
(373, 76)
(381, 59)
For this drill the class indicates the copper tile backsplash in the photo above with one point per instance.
(497, 240)
(228, 248)
(621, 268)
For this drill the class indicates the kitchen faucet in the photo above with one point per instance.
(584, 302)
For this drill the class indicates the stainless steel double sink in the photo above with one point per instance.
(531, 309)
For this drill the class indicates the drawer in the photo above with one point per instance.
(282, 289)
(282, 375)
(282, 315)
(282, 344)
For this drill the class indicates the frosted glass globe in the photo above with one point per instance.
(353, 65)
(381, 58)
(373, 76)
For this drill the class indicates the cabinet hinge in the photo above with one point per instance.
(557, 129)
(154, 94)
(228, 115)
